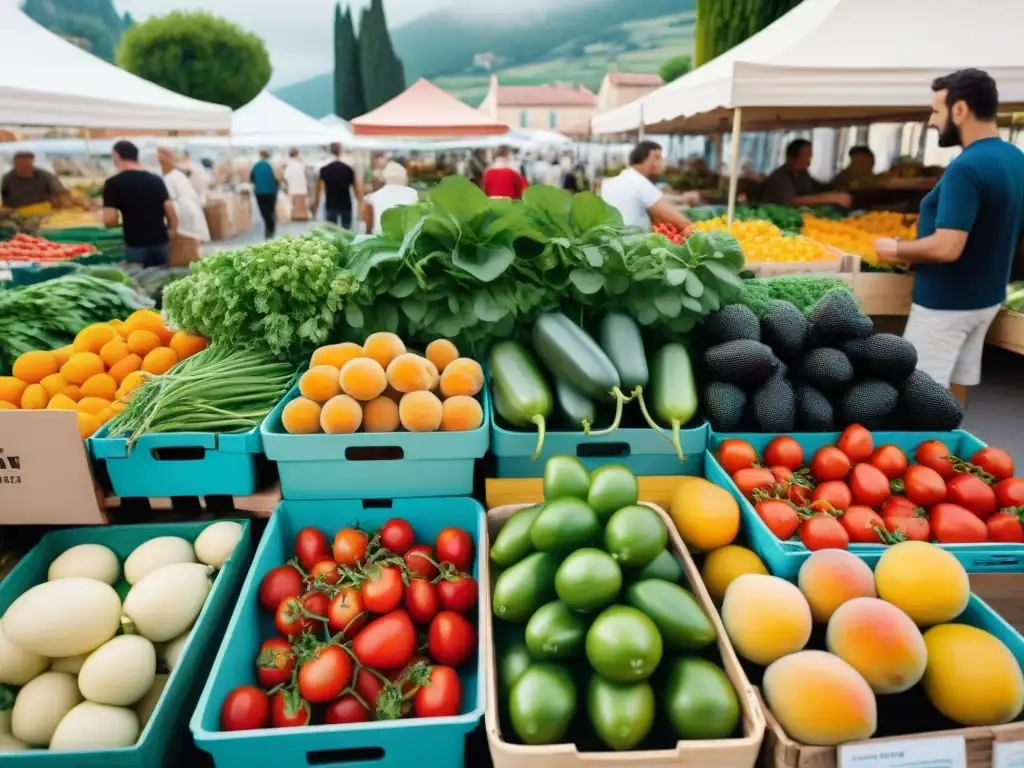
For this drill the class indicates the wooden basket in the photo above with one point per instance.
(723, 753)
(884, 293)
(1007, 331)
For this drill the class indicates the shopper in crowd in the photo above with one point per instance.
(187, 206)
(27, 185)
(574, 178)
(338, 183)
(860, 169)
(396, 191)
(296, 180)
(198, 176)
(634, 193)
(475, 167)
(265, 187)
(792, 183)
(502, 179)
(967, 233)
(138, 201)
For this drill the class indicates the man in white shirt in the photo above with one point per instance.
(634, 194)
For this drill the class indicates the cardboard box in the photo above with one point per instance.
(183, 251)
(1007, 331)
(45, 476)
(300, 208)
(882, 293)
(218, 218)
(241, 212)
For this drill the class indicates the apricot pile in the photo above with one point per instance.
(383, 387)
(95, 374)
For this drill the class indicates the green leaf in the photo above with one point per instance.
(354, 316)
(593, 255)
(676, 275)
(586, 281)
(487, 309)
(485, 262)
(460, 198)
(414, 309)
(692, 304)
(646, 314)
(617, 284)
(724, 274)
(404, 287)
(588, 211)
(668, 303)
(694, 286)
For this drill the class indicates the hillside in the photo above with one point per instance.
(577, 44)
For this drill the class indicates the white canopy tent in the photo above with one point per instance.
(268, 121)
(45, 80)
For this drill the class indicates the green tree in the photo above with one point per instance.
(94, 21)
(348, 84)
(382, 72)
(675, 67)
(127, 21)
(724, 24)
(197, 55)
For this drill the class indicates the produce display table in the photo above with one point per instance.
(884, 293)
(1007, 331)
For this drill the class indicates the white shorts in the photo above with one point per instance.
(950, 342)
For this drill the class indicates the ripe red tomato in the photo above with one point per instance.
(418, 562)
(316, 605)
(781, 474)
(289, 710)
(972, 493)
(869, 486)
(311, 547)
(246, 708)
(345, 709)
(861, 524)
(995, 461)
(798, 492)
(952, 524)
(911, 528)
(275, 663)
(857, 443)
(835, 492)
(735, 454)
(396, 534)
(324, 572)
(935, 455)
(830, 463)
(1010, 492)
(291, 619)
(350, 547)
(421, 601)
(279, 584)
(823, 532)
(455, 546)
(457, 593)
(382, 592)
(923, 485)
(451, 639)
(780, 517)
(368, 686)
(323, 678)
(346, 613)
(1005, 526)
(890, 460)
(386, 643)
(753, 479)
(899, 506)
(441, 697)
(784, 451)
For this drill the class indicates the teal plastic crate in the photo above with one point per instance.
(642, 450)
(432, 742)
(374, 465)
(181, 463)
(784, 558)
(165, 737)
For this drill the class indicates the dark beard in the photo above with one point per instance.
(949, 135)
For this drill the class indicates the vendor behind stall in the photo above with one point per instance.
(636, 196)
(27, 185)
(860, 170)
(792, 183)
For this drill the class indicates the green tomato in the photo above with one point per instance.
(513, 541)
(543, 704)
(565, 477)
(525, 587)
(612, 487)
(622, 713)
(635, 536)
(565, 525)
(699, 700)
(555, 631)
(588, 580)
(624, 645)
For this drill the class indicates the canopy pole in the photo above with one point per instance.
(640, 132)
(734, 161)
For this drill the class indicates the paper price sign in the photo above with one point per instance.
(943, 752)
(1008, 754)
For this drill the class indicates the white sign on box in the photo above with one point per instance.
(940, 752)
(1008, 754)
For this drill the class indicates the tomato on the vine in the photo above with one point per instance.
(899, 506)
(441, 697)
(275, 663)
(289, 710)
(397, 535)
(913, 527)
(754, 479)
(1010, 492)
(784, 451)
(780, 517)
(798, 493)
(324, 677)
(995, 461)
(291, 619)
(311, 547)
(455, 546)
(830, 463)
(1005, 525)
(387, 642)
(972, 493)
(278, 584)
(324, 572)
(890, 460)
(862, 524)
(382, 591)
(857, 443)
(823, 532)
(451, 639)
(350, 547)
(421, 601)
(346, 613)
(835, 492)
(935, 455)
(316, 604)
(246, 708)
(345, 709)
(457, 593)
(923, 485)
(952, 524)
(735, 454)
(418, 562)
(869, 485)
(368, 686)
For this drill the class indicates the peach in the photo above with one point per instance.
(766, 617)
(929, 584)
(830, 577)
(880, 641)
(819, 699)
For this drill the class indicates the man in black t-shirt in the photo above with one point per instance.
(138, 200)
(336, 179)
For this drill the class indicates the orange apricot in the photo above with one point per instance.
(186, 345)
(114, 351)
(441, 352)
(61, 402)
(380, 415)
(82, 366)
(301, 416)
(336, 354)
(462, 377)
(54, 384)
(11, 389)
(6, 406)
(100, 385)
(142, 342)
(341, 415)
(435, 377)
(73, 391)
(409, 373)
(92, 405)
(383, 347)
(34, 398)
(461, 414)
(88, 424)
(33, 367)
(145, 320)
(121, 369)
(93, 337)
(160, 361)
(420, 412)
(363, 379)
(63, 354)
(320, 383)
(130, 382)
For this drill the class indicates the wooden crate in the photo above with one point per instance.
(1007, 331)
(822, 268)
(884, 293)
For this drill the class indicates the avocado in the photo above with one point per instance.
(723, 404)
(774, 406)
(731, 323)
(869, 402)
(883, 356)
(927, 406)
(814, 412)
(744, 362)
(785, 329)
(827, 369)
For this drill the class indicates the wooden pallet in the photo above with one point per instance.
(1007, 332)
(258, 505)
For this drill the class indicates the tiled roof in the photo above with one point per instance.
(545, 96)
(635, 79)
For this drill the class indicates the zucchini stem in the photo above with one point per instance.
(651, 422)
(676, 426)
(586, 427)
(620, 400)
(541, 432)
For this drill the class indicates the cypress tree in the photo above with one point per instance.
(383, 75)
(348, 86)
(723, 24)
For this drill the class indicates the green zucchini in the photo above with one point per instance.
(578, 409)
(571, 355)
(622, 342)
(674, 391)
(521, 395)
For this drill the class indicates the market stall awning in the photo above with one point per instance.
(47, 81)
(423, 110)
(830, 62)
(266, 120)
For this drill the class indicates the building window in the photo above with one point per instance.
(522, 119)
(552, 119)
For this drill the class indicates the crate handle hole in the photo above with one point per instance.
(602, 450)
(343, 756)
(179, 454)
(374, 453)
(378, 503)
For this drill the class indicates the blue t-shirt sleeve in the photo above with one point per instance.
(959, 198)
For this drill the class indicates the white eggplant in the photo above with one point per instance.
(119, 672)
(144, 709)
(167, 601)
(96, 726)
(17, 665)
(217, 541)
(64, 617)
(154, 555)
(87, 561)
(41, 705)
